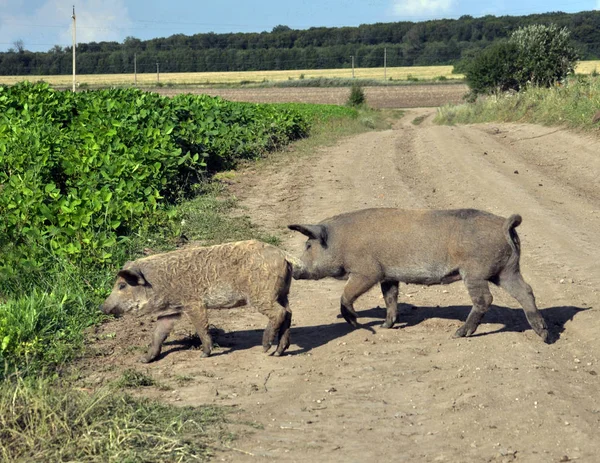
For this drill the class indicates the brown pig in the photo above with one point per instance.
(426, 247)
(193, 279)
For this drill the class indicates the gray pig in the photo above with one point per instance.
(193, 279)
(426, 247)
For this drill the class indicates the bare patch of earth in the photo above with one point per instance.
(400, 96)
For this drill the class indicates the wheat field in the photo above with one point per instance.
(215, 78)
(210, 78)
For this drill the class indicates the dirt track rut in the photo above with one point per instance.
(414, 393)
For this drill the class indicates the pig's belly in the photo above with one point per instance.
(423, 275)
(224, 297)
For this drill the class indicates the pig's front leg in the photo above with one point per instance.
(356, 286)
(164, 325)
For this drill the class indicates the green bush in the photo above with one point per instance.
(493, 70)
(357, 96)
(545, 54)
(537, 55)
(80, 171)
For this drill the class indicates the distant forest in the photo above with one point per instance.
(405, 43)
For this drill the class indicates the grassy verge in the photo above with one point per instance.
(45, 420)
(572, 104)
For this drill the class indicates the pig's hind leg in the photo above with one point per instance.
(514, 284)
(280, 320)
(198, 315)
(390, 294)
(479, 290)
(284, 333)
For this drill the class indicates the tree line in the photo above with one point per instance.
(435, 42)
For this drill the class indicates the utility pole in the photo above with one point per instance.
(352, 66)
(74, 45)
(384, 63)
(157, 74)
(135, 69)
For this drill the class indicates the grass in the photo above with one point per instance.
(134, 379)
(418, 120)
(572, 104)
(44, 420)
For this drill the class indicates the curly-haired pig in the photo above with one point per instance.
(426, 247)
(193, 279)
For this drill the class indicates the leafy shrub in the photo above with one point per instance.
(357, 96)
(81, 171)
(536, 55)
(545, 54)
(494, 69)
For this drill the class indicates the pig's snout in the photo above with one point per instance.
(299, 274)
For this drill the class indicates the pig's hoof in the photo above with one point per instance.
(145, 359)
(461, 332)
(266, 348)
(203, 355)
(351, 320)
(546, 337)
(277, 354)
(387, 324)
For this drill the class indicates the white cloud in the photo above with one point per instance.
(49, 22)
(102, 20)
(422, 8)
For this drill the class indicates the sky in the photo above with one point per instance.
(39, 25)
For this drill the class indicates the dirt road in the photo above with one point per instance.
(414, 393)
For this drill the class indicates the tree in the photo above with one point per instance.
(280, 28)
(533, 55)
(19, 46)
(357, 96)
(545, 54)
(493, 70)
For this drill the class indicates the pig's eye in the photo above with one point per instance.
(308, 245)
(122, 286)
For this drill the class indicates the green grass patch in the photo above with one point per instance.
(209, 218)
(134, 379)
(418, 120)
(572, 104)
(45, 420)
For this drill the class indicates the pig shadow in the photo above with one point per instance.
(306, 338)
(513, 320)
(303, 339)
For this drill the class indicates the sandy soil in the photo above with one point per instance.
(412, 393)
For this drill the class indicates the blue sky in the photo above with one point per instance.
(41, 24)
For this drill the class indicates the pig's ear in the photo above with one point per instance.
(314, 232)
(133, 276)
